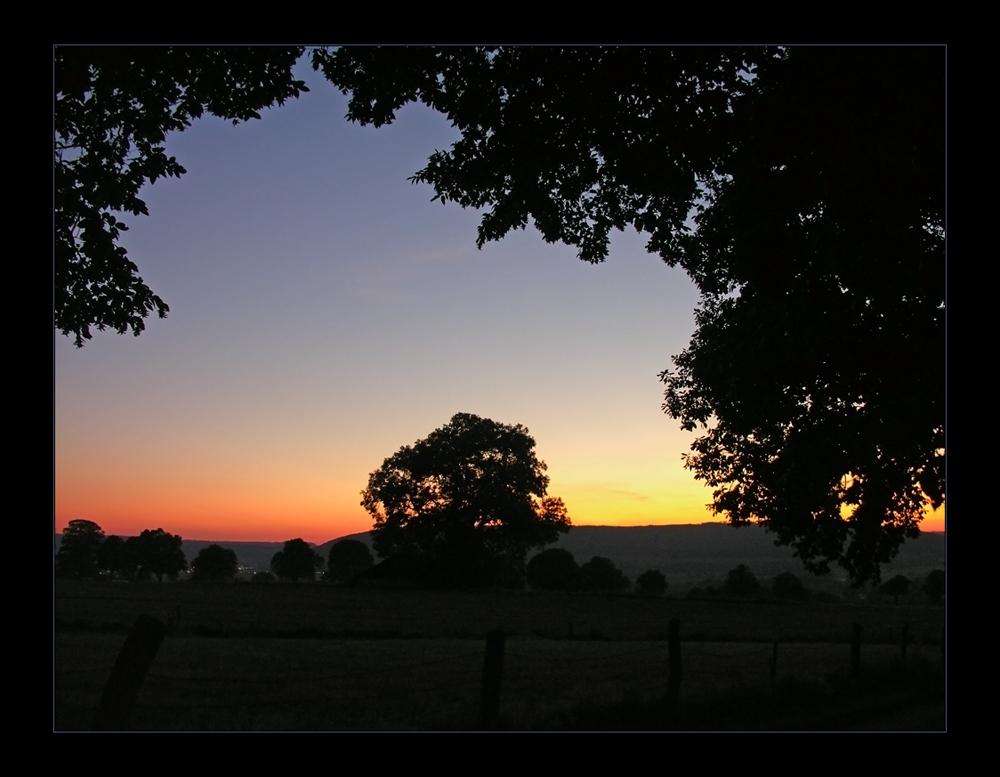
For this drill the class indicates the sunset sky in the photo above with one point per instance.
(324, 312)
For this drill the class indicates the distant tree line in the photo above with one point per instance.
(85, 553)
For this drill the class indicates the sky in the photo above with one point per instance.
(325, 312)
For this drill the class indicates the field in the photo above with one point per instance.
(313, 657)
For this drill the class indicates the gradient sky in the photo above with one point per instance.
(324, 312)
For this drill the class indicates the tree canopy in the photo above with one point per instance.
(469, 501)
(160, 553)
(114, 106)
(348, 559)
(78, 549)
(652, 582)
(601, 574)
(296, 561)
(741, 582)
(554, 569)
(803, 190)
(214, 563)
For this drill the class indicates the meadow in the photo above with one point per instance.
(316, 657)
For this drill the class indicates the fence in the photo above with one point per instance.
(434, 683)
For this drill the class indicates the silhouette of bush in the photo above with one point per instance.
(788, 586)
(652, 583)
(214, 563)
(934, 586)
(741, 582)
(296, 561)
(600, 574)
(896, 587)
(554, 569)
(347, 560)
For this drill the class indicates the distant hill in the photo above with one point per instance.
(698, 554)
(688, 555)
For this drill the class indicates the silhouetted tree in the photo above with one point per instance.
(114, 557)
(114, 106)
(78, 550)
(788, 586)
(816, 181)
(554, 569)
(214, 563)
(160, 553)
(651, 583)
(469, 502)
(741, 582)
(934, 586)
(348, 559)
(600, 574)
(296, 561)
(896, 587)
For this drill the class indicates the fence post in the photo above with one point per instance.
(492, 674)
(130, 670)
(856, 650)
(674, 657)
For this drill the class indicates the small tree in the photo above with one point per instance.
(348, 559)
(297, 561)
(652, 583)
(214, 563)
(600, 574)
(161, 553)
(554, 569)
(78, 551)
(934, 586)
(741, 582)
(898, 586)
(114, 557)
(788, 586)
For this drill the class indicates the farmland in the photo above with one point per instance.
(319, 657)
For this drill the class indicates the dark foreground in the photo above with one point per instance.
(248, 657)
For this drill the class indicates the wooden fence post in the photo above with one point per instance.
(674, 658)
(856, 650)
(130, 670)
(492, 674)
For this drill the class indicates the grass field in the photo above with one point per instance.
(423, 671)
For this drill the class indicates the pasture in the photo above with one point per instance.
(310, 657)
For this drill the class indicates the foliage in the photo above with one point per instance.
(803, 191)
(469, 501)
(600, 574)
(113, 109)
(160, 553)
(935, 585)
(214, 563)
(554, 569)
(78, 550)
(348, 559)
(788, 586)
(296, 561)
(651, 583)
(115, 557)
(896, 587)
(741, 582)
